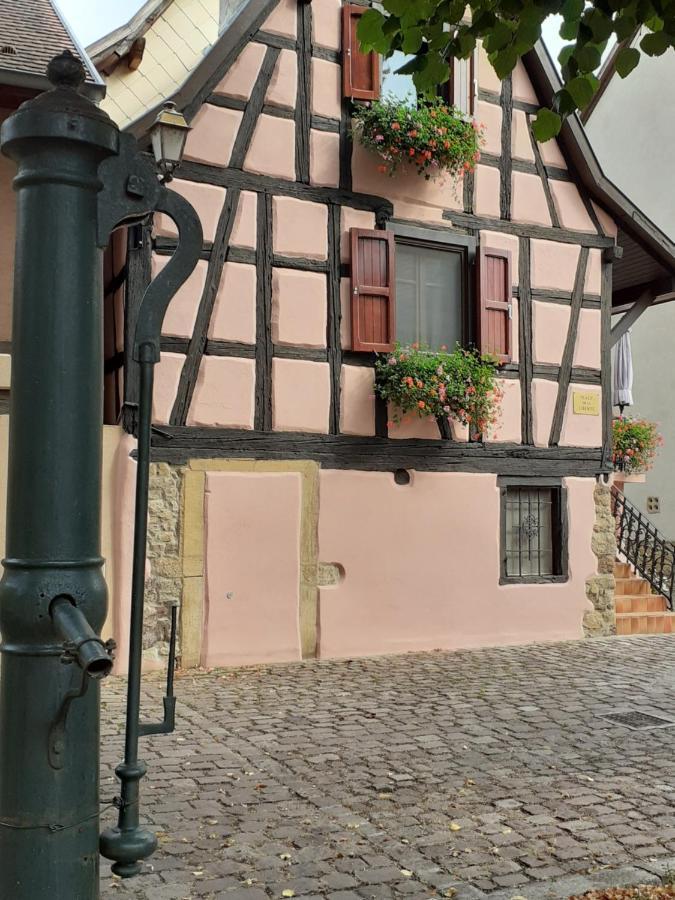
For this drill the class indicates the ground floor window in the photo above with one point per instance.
(533, 530)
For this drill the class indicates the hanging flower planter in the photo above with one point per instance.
(433, 137)
(458, 387)
(634, 446)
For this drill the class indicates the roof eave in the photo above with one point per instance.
(39, 83)
(126, 34)
(577, 149)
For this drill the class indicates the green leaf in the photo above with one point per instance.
(370, 34)
(546, 126)
(504, 62)
(572, 10)
(568, 30)
(412, 40)
(581, 89)
(498, 38)
(626, 60)
(655, 44)
(589, 58)
(563, 102)
(395, 7)
(624, 26)
(600, 24)
(565, 54)
(435, 71)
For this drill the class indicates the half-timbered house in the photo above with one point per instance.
(288, 514)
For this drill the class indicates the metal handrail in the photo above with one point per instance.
(643, 545)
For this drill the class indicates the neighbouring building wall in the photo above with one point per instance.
(653, 392)
(635, 151)
(635, 147)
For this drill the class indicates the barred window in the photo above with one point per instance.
(533, 533)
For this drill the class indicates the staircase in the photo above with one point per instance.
(644, 576)
(638, 609)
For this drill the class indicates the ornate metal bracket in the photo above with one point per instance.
(132, 192)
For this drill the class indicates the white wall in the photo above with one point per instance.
(632, 130)
(653, 342)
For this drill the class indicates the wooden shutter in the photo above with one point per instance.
(461, 92)
(360, 71)
(494, 303)
(373, 290)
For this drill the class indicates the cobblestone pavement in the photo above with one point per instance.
(403, 776)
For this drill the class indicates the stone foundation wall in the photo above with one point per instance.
(164, 581)
(600, 588)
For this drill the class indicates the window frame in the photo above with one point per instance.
(559, 524)
(440, 239)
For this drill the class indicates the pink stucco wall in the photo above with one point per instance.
(239, 81)
(167, 377)
(207, 200)
(224, 393)
(272, 150)
(233, 316)
(300, 395)
(299, 308)
(436, 585)
(252, 568)
(180, 316)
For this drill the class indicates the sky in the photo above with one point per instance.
(91, 19)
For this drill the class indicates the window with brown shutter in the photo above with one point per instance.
(494, 303)
(373, 290)
(360, 71)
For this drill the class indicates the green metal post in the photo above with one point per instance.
(52, 595)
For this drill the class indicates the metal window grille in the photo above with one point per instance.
(532, 533)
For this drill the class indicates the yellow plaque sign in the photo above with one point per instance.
(586, 403)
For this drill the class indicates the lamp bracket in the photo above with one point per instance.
(131, 191)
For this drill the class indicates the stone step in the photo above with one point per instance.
(632, 586)
(640, 603)
(645, 623)
(622, 570)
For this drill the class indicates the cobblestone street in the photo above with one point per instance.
(419, 775)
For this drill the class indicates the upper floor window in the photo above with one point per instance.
(365, 76)
(429, 286)
(395, 84)
(430, 289)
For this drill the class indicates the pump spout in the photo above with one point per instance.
(81, 643)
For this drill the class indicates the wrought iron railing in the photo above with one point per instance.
(643, 545)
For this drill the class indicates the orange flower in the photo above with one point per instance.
(421, 404)
(395, 126)
(412, 133)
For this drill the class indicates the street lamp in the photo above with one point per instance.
(78, 178)
(169, 132)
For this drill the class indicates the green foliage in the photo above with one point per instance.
(634, 444)
(461, 385)
(436, 31)
(433, 136)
